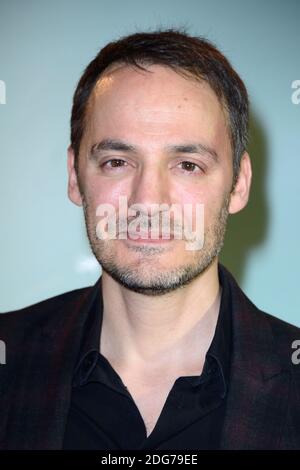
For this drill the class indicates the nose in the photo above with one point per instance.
(150, 186)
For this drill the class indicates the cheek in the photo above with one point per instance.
(100, 191)
(210, 194)
(207, 192)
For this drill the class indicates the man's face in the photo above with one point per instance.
(152, 112)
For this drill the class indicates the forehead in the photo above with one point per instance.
(154, 102)
(128, 82)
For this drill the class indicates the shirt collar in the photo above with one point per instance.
(221, 345)
(218, 354)
(91, 337)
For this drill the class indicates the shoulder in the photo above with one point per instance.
(39, 312)
(281, 328)
(260, 332)
(286, 341)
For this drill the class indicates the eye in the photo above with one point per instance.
(115, 163)
(190, 167)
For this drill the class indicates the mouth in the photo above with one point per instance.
(145, 237)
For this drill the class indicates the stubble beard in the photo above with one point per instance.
(146, 276)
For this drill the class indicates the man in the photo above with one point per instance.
(165, 351)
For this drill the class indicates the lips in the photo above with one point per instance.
(148, 236)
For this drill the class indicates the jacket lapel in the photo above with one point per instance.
(36, 389)
(258, 385)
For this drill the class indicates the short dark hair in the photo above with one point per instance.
(188, 55)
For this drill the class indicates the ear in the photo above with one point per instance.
(73, 186)
(240, 194)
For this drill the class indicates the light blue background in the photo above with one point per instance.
(44, 47)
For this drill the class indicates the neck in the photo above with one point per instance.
(172, 330)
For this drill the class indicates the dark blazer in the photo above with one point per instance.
(43, 342)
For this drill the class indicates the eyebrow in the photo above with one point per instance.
(122, 146)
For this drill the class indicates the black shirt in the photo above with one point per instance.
(104, 416)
